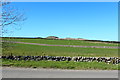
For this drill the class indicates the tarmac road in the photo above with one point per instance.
(56, 73)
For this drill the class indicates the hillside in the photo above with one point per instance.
(30, 49)
(64, 42)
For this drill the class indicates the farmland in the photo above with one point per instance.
(65, 42)
(37, 50)
(28, 49)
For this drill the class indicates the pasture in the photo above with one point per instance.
(36, 50)
(18, 49)
(65, 42)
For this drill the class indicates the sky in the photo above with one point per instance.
(64, 0)
(88, 20)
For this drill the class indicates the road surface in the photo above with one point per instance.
(56, 73)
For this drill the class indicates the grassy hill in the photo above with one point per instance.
(28, 49)
(65, 42)
(36, 50)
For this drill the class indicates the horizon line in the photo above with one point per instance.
(62, 38)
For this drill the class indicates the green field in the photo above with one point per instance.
(28, 49)
(65, 42)
(36, 50)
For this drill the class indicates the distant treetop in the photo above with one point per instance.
(52, 37)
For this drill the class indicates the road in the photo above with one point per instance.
(56, 73)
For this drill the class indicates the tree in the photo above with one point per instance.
(52, 37)
(9, 17)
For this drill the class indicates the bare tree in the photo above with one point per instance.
(9, 16)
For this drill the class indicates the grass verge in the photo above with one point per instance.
(61, 65)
